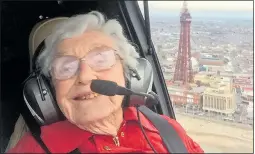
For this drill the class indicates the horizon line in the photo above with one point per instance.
(201, 5)
(175, 10)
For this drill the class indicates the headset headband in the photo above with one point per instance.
(38, 51)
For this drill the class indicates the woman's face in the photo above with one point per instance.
(72, 77)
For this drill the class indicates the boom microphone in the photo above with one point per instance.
(110, 88)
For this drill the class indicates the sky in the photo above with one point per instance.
(201, 5)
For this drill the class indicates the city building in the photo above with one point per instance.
(250, 112)
(195, 65)
(243, 81)
(211, 65)
(247, 101)
(196, 55)
(181, 97)
(247, 96)
(219, 96)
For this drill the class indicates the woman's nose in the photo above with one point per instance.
(85, 74)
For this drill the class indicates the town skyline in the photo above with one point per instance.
(244, 6)
(221, 96)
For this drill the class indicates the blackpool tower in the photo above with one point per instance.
(183, 68)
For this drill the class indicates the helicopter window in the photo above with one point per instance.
(203, 82)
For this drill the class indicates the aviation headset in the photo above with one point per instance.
(39, 94)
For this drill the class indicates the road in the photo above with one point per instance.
(234, 62)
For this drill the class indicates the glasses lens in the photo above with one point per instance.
(101, 60)
(65, 67)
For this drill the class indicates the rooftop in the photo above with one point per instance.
(198, 89)
(224, 90)
(211, 62)
(247, 93)
(212, 78)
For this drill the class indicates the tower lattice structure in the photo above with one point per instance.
(183, 68)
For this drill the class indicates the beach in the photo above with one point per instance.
(217, 137)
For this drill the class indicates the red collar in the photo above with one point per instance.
(131, 114)
(65, 137)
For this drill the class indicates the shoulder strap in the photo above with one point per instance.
(75, 151)
(168, 134)
(40, 142)
(44, 147)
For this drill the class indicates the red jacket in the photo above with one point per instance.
(63, 137)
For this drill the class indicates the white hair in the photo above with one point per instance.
(77, 25)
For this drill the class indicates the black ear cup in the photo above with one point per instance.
(39, 98)
(30, 93)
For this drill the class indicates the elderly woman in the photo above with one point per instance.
(83, 48)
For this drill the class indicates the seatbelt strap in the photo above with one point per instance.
(40, 142)
(35, 132)
(75, 151)
(171, 139)
(44, 147)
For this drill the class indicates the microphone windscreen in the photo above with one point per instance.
(104, 87)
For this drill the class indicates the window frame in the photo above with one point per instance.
(135, 24)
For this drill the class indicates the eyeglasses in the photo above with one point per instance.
(65, 67)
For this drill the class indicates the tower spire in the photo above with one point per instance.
(184, 7)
